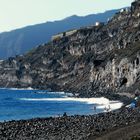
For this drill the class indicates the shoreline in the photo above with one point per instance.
(98, 103)
(74, 127)
(95, 105)
(111, 96)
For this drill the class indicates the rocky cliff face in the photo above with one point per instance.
(95, 59)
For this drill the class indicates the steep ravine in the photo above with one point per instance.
(95, 60)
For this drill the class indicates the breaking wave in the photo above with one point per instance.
(29, 88)
(100, 102)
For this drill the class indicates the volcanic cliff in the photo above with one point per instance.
(99, 59)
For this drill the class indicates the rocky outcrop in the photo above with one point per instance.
(92, 61)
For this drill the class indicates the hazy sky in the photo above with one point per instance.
(19, 13)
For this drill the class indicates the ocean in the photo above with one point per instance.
(26, 104)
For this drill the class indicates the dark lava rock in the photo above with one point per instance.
(91, 61)
(69, 127)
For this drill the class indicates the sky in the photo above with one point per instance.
(19, 13)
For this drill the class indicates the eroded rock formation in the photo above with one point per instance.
(95, 59)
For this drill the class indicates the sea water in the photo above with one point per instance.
(26, 104)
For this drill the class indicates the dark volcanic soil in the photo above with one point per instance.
(74, 127)
(131, 132)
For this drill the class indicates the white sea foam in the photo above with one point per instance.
(28, 88)
(86, 100)
(65, 94)
(102, 103)
(61, 93)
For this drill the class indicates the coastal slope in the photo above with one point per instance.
(91, 61)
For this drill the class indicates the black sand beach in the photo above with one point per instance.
(102, 126)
